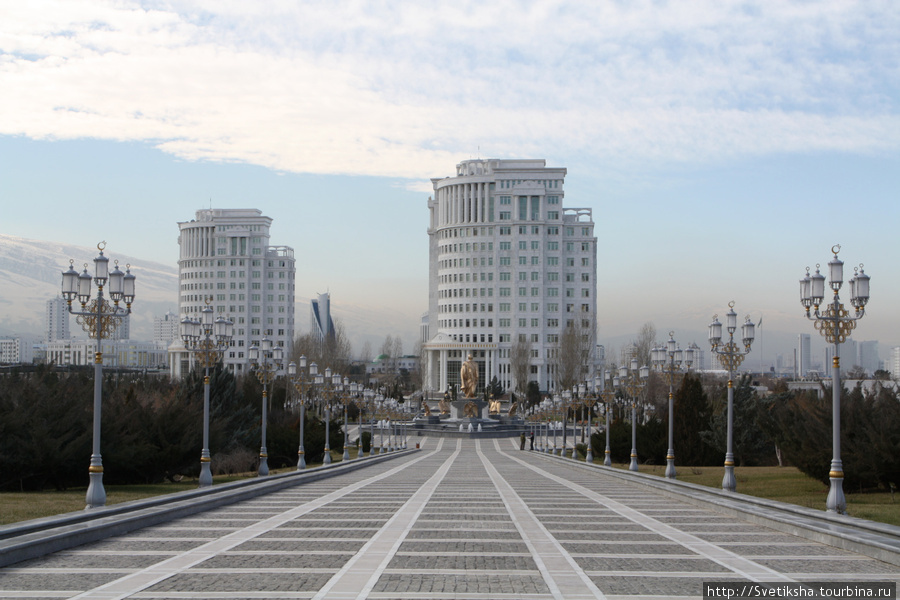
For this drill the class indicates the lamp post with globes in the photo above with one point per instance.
(608, 395)
(264, 359)
(633, 380)
(207, 339)
(330, 385)
(303, 381)
(590, 400)
(99, 319)
(731, 356)
(669, 360)
(835, 323)
(348, 391)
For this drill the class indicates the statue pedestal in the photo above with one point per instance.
(458, 410)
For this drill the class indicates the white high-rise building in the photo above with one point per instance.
(166, 328)
(894, 366)
(56, 320)
(803, 354)
(867, 356)
(226, 261)
(506, 262)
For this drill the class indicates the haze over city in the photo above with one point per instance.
(723, 146)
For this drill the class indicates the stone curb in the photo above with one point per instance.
(31, 539)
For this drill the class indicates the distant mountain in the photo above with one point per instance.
(31, 274)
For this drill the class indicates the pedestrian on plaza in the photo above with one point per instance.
(522, 441)
(532, 441)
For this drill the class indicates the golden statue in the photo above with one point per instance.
(444, 404)
(494, 405)
(470, 410)
(469, 376)
(512, 409)
(425, 408)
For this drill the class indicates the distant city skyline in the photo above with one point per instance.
(720, 151)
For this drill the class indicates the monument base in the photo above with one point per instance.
(458, 410)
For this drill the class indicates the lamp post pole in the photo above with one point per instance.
(207, 340)
(370, 414)
(634, 381)
(731, 355)
(669, 360)
(574, 403)
(99, 319)
(346, 399)
(329, 384)
(303, 383)
(264, 359)
(608, 395)
(835, 323)
(590, 400)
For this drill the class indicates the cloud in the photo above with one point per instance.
(402, 89)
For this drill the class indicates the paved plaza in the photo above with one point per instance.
(461, 518)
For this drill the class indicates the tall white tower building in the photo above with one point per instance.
(804, 355)
(506, 262)
(57, 320)
(166, 328)
(226, 260)
(320, 323)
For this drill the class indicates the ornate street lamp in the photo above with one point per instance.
(346, 399)
(207, 339)
(303, 382)
(608, 394)
(731, 356)
(329, 384)
(590, 400)
(633, 381)
(99, 319)
(570, 402)
(264, 359)
(369, 396)
(669, 360)
(835, 323)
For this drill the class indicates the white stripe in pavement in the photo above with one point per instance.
(561, 573)
(141, 580)
(733, 562)
(359, 575)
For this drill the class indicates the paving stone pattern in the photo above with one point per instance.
(461, 519)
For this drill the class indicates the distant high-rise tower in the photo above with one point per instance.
(226, 260)
(803, 354)
(868, 357)
(320, 323)
(165, 328)
(57, 320)
(894, 366)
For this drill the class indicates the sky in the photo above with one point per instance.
(723, 146)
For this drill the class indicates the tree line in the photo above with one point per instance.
(151, 427)
(793, 427)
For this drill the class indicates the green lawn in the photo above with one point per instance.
(787, 484)
(22, 506)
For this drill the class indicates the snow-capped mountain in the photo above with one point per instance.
(31, 274)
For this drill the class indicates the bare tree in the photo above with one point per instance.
(365, 356)
(645, 342)
(520, 363)
(574, 358)
(332, 352)
(418, 376)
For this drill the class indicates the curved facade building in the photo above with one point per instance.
(507, 261)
